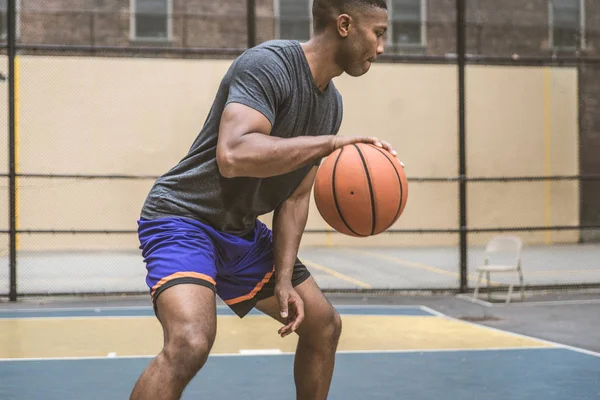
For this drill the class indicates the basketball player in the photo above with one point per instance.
(275, 116)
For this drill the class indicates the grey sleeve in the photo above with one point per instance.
(259, 81)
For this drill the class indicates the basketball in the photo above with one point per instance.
(360, 190)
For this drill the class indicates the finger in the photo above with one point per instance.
(285, 330)
(297, 314)
(289, 321)
(389, 148)
(376, 141)
(296, 310)
(299, 317)
(283, 305)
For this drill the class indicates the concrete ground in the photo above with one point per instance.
(332, 267)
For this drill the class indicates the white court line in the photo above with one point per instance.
(519, 335)
(75, 309)
(221, 307)
(339, 307)
(86, 317)
(432, 311)
(528, 304)
(260, 352)
(111, 354)
(366, 306)
(253, 353)
(375, 306)
(147, 308)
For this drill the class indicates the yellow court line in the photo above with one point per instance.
(17, 161)
(337, 274)
(415, 265)
(547, 156)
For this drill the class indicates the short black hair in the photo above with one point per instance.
(323, 9)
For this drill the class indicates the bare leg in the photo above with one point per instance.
(187, 313)
(318, 335)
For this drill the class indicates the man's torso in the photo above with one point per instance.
(194, 188)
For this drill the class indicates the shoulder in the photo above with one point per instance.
(272, 52)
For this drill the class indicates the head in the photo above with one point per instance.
(356, 26)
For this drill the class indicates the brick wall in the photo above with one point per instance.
(441, 27)
(81, 22)
(195, 23)
(507, 27)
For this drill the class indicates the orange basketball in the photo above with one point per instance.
(360, 189)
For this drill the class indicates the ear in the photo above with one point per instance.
(343, 24)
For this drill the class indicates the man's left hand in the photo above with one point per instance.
(291, 307)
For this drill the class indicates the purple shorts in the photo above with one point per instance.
(239, 269)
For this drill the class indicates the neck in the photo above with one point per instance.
(320, 53)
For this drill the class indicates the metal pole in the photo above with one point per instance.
(11, 31)
(461, 50)
(251, 15)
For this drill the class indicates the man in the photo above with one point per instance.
(275, 116)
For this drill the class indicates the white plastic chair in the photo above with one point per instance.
(508, 248)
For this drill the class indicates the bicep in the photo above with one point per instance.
(238, 120)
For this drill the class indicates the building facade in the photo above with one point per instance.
(515, 28)
(524, 27)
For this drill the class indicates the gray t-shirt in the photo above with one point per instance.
(275, 79)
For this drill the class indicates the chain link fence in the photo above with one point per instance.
(493, 107)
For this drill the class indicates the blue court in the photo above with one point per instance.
(386, 353)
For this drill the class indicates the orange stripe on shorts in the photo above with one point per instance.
(253, 292)
(177, 275)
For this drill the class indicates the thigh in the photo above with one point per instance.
(176, 251)
(187, 313)
(318, 311)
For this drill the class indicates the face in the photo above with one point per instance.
(363, 40)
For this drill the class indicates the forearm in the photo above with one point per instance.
(259, 155)
(289, 222)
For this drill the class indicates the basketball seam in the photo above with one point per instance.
(335, 200)
(399, 182)
(374, 214)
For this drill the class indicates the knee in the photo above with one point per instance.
(187, 350)
(336, 326)
(326, 330)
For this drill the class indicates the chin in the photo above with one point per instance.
(355, 72)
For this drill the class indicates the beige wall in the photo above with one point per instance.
(523, 121)
(139, 116)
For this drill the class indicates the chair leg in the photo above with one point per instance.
(488, 286)
(522, 284)
(477, 285)
(510, 290)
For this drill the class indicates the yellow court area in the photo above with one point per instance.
(49, 336)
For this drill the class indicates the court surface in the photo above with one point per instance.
(333, 268)
(386, 352)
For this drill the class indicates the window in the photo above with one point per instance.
(151, 19)
(406, 25)
(407, 22)
(567, 23)
(295, 19)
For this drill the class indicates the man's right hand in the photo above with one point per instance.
(341, 141)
